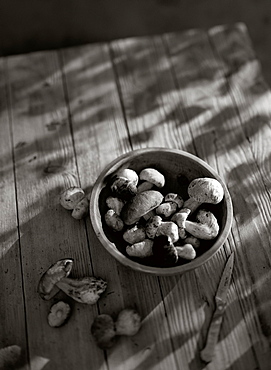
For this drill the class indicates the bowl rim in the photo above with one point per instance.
(136, 266)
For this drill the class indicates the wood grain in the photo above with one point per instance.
(64, 116)
(103, 136)
(44, 166)
(232, 152)
(12, 303)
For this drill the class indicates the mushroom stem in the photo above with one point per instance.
(205, 228)
(86, 290)
(180, 218)
(203, 190)
(192, 204)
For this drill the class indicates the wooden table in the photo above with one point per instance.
(64, 115)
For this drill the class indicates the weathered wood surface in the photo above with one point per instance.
(65, 115)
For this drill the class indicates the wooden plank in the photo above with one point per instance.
(12, 311)
(153, 112)
(253, 101)
(158, 119)
(222, 141)
(195, 81)
(44, 166)
(100, 135)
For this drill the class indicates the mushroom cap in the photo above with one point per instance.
(206, 217)
(129, 174)
(164, 251)
(59, 314)
(123, 188)
(128, 322)
(11, 357)
(47, 285)
(172, 197)
(139, 205)
(135, 234)
(153, 176)
(103, 331)
(141, 249)
(186, 251)
(206, 190)
(71, 196)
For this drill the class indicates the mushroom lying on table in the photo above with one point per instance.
(106, 331)
(85, 290)
(11, 357)
(71, 196)
(75, 200)
(128, 322)
(81, 209)
(59, 314)
(47, 287)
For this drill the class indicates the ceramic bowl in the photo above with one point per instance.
(179, 168)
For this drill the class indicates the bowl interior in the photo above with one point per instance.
(179, 169)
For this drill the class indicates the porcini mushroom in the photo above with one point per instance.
(205, 228)
(103, 331)
(115, 203)
(86, 290)
(175, 198)
(129, 174)
(164, 251)
(71, 196)
(47, 285)
(113, 220)
(141, 249)
(203, 190)
(139, 205)
(135, 234)
(59, 314)
(153, 176)
(195, 242)
(179, 218)
(166, 209)
(128, 322)
(11, 357)
(123, 188)
(170, 229)
(186, 251)
(81, 209)
(152, 226)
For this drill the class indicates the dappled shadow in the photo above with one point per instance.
(55, 146)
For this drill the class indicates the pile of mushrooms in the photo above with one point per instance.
(85, 290)
(157, 225)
